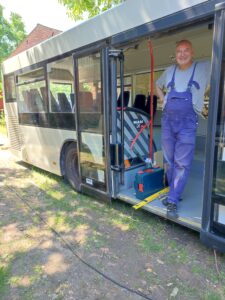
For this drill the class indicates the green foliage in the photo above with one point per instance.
(4, 274)
(77, 8)
(61, 88)
(12, 33)
(2, 123)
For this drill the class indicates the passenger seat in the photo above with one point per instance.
(147, 107)
(126, 95)
(139, 102)
(64, 103)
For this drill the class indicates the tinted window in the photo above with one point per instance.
(9, 88)
(32, 97)
(61, 85)
(90, 93)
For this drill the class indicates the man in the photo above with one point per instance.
(185, 84)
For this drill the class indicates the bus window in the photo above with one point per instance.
(10, 89)
(61, 85)
(142, 84)
(90, 92)
(30, 85)
(127, 90)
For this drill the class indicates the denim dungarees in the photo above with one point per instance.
(179, 124)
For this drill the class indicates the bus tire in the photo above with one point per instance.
(71, 167)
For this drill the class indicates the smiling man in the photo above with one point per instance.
(185, 84)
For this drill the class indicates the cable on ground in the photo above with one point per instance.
(69, 247)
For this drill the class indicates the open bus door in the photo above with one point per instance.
(213, 217)
(92, 124)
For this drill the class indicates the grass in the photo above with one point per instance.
(82, 218)
(213, 296)
(178, 255)
(4, 276)
(61, 201)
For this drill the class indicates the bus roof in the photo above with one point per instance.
(128, 15)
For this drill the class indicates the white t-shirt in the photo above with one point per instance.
(182, 77)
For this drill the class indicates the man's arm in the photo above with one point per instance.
(159, 85)
(160, 94)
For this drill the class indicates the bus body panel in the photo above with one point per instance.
(11, 109)
(12, 123)
(41, 146)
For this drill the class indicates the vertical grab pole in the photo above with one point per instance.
(151, 97)
(121, 59)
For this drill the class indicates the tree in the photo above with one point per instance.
(12, 33)
(76, 9)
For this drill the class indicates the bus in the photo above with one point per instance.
(76, 102)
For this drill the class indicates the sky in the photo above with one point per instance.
(46, 12)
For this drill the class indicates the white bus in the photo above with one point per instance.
(62, 98)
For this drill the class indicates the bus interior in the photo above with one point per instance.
(136, 97)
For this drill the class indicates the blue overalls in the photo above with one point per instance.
(179, 124)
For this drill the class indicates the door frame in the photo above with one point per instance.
(103, 49)
(207, 235)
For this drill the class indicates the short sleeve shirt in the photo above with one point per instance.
(182, 77)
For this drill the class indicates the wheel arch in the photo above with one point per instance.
(63, 154)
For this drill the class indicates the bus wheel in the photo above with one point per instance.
(71, 167)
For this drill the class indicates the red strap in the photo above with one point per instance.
(120, 108)
(148, 171)
(136, 137)
(140, 187)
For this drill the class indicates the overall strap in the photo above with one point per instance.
(171, 84)
(193, 82)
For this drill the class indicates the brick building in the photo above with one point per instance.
(39, 34)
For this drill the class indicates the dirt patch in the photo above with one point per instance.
(136, 249)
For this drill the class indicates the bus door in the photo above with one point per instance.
(213, 217)
(91, 111)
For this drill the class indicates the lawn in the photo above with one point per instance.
(137, 249)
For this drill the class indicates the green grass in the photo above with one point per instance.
(187, 290)
(213, 296)
(149, 243)
(179, 256)
(151, 277)
(210, 273)
(4, 276)
(61, 201)
(81, 217)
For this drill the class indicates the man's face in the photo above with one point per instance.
(184, 54)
